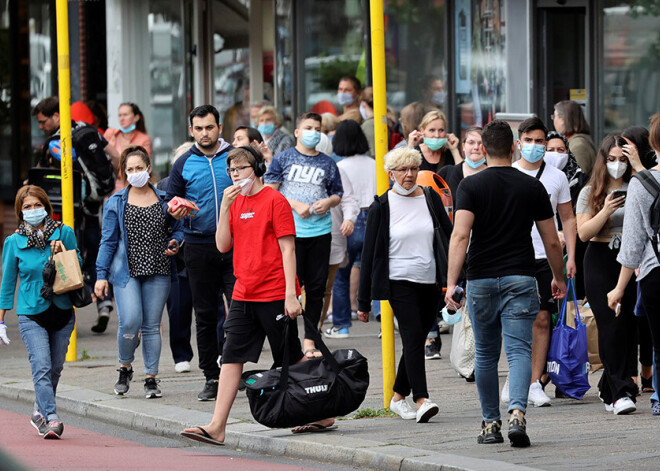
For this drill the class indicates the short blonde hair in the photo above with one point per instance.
(401, 157)
(329, 123)
(271, 110)
(432, 116)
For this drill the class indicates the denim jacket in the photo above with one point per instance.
(112, 260)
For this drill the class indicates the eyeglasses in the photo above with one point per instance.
(406, 170)
(237, 170)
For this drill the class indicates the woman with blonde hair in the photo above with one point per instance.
(437, 147)
(269, 124)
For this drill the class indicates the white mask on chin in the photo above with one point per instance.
(246, 184)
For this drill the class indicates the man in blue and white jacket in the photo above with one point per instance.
(200, 175)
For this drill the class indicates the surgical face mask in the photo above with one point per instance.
(400, 189)
(473, 164)
(266, 129)
(363, 112)
(310, 138)
(435, 143)
(616, 169)
(556, 159)
(439, 98)
(34, 217)
(246, 184)
(450, 318)
(138, 179)
(532, 153)
(345, 98)
(131, 128)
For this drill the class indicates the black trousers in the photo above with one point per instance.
(415, 307)
(210, 273)
(617, 335)
(651, 299)
(312, 259)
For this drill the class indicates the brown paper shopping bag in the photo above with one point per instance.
(69, 276)
(588, 319)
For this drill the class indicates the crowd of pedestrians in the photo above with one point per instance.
(280, 222)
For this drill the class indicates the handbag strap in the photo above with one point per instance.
(562, 316)
(429, 203)
(286, 359)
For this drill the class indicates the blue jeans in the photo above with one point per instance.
(139, 308)
(46, 351)
(505, 306)
(341, 290)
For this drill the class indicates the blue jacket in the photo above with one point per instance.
(112, 260)
(26, 264)
(202, 180)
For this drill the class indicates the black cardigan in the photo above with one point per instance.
(375, 265)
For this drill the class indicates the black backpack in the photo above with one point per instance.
(95, 165)
(652, 186)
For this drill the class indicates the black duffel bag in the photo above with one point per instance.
(312, 390)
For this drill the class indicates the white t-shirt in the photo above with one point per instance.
(411, 239)
(361, 170)
(556, 184)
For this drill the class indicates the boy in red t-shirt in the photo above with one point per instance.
(257, 222)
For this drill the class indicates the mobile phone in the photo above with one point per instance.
(618, 193)
(458, 294)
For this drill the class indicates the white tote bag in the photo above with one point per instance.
(462, 346)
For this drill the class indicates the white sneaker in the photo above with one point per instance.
(537, 396)
(505, 391)
(403, 409)
(336, 333)
(427, 410)
(609, 407)
(182, 367)
(624, 406)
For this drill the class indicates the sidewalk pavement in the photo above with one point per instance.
(569, 434)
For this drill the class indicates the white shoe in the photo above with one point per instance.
(403, 409)
(609, 407)
(537, 396)
(182, 367)
(624, 406)
(427, 410)
(505, 391)
(336, 333)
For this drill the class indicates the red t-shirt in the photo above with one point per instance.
(256, 222)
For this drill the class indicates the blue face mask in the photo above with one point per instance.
(345, 98)
(438, 98)
(34, 217)
(532, 153)
(131, 128)
(435, 143)
(473, 164)
(266, 129)
(310, 138)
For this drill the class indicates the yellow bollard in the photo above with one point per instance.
(64, 79)
(380, 125)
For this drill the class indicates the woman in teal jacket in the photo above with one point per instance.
(45, 324)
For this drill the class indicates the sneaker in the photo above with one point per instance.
(336, 333)
(54, 430)
(505, 391)
(123, 383)
(609, 407)
(101, 321)
(490, 433)
(655, 408)
(403, 409)
(537, 396)
(37, 420)
(427, 410)
(182, 367)
(443, 327)
(151, 390)
(518, 431)
(432, 350)
(210, 391)
(624, 406)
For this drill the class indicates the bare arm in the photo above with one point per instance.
(588, 227)
(288, 248)
(567, 217)
(458, 244)
(114, 156)
(548, 234)
(614, 297)
(223, 237)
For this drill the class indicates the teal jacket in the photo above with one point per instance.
(26, 264)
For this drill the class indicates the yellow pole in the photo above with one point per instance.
(64, 80)
(380, 125)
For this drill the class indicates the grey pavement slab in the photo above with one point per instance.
(570, 434)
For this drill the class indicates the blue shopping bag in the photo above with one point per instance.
(568, 356)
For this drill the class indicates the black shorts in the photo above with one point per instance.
(543, 275)
(249, 323)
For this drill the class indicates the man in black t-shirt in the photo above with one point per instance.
(499, 206)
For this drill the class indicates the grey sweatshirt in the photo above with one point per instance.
(636, 246)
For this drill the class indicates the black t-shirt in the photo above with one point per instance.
(452, 174)
(445, 160)
(505, 203)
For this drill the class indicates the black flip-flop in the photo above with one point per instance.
(204, 437)
(315, 428)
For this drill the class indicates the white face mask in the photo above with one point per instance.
(556, 159)
(399, 189)
(616, 169)
(246, 184)
(363, 112)
(138, 179)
